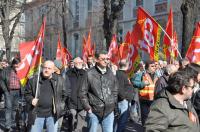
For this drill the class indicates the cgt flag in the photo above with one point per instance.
(31, 54)
(193, 52)
(151, 31)
(129, 51)
(113, 52)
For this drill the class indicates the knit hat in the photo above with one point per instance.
(58, 64)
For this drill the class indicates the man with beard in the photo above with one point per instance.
(75, 74)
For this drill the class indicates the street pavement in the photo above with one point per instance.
(131, 126)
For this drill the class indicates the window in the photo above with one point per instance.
(160, 1)
(139, 2)
(42, 10)
(89, 5)
(161, 7)
(135, 12)
(120, 35)
(76, 37)
(76, 19)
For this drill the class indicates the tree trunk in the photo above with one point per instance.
(5, 31)
(112, 9)
(64, 6)
(190, 12)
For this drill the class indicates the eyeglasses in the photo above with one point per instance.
(103, 59)
(190, 86)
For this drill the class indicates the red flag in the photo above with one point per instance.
(130, 52)
(84, 50)
(150, 33)
(66, 56)
(123, 48)
(170, 47)
(59, 49)
(193, 52)
(89, 44)
(128, 37)
(136, 35)
(31, 53)
(113, 52)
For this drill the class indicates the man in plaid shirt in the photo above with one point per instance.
(10, 84)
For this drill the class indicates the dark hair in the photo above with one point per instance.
(100, 52)
(193, 68)
(148, 63)
(15, 61)
(178, 80)
(123, 63)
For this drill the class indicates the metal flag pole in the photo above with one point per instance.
(171, 41)
(38, 78)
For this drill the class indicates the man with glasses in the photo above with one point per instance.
(98, 94)
(172, 110)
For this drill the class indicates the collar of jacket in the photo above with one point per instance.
(175, 103)
(99, 71)
(78, 71)
(51, 79)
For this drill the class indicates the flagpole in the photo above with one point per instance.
(38, 78)
(171, 41)
(39, 70)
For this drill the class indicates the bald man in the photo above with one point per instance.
(48, 103)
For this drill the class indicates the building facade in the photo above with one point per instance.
(83, 15)
(89, 14)
(35, 11)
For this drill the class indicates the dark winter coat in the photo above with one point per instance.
(98, 92)
(196, 102)
(168, 115)
(125, 86)
(161, 83)
(59, 92)
(75, 76)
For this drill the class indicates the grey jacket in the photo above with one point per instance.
(168, 115)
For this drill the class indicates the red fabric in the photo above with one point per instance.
(31, 53)
(136, 35)
(193, 52)
(59, 50)
(150, 34)
(84, 50)
(66, 56)
(170, 47)
(113, 52)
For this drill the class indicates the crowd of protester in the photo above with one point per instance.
(159, 96)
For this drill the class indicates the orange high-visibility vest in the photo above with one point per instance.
(147, 93)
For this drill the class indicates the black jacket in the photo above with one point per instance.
(125, 86)
(98, 91)
(161, 83)
(59, 91)
(75, 76)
